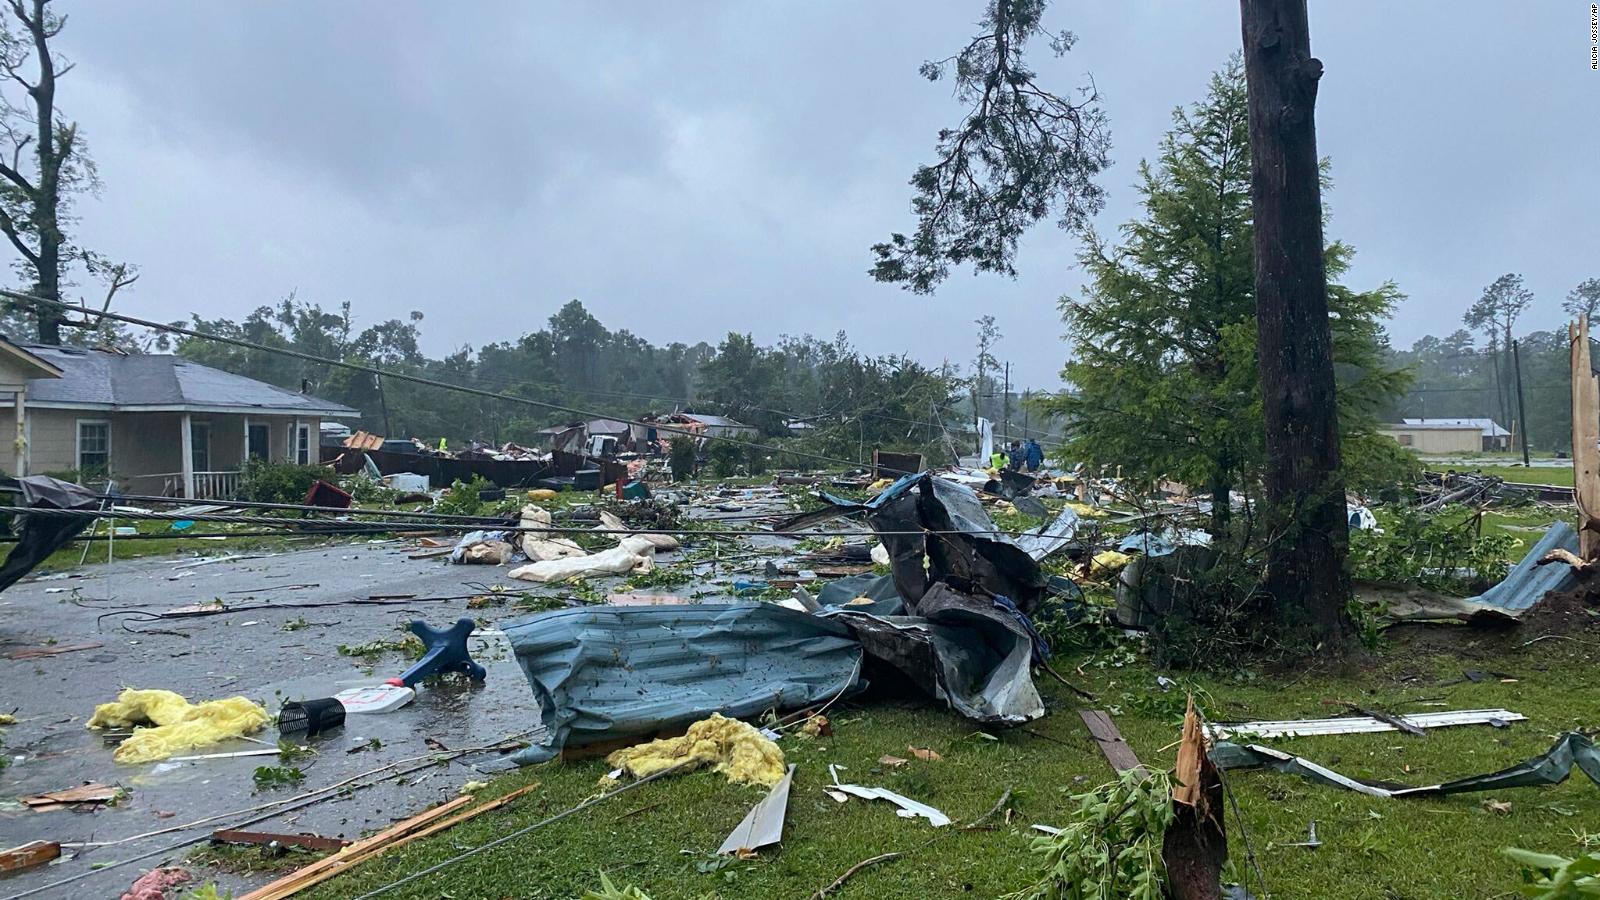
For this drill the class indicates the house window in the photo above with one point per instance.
(258, 441)
(301, 441)
(200, 446)
(94, 448)
(1404, 439)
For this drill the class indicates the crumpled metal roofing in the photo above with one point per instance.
(1528, 582)
(612, 671)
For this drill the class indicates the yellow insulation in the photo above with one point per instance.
(734, 749)
(164, 723)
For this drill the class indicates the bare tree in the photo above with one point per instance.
(43, 161)
(1305, 579)
(1020, 154)
(1496, 313)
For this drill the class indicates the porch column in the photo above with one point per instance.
(186, 442)
(21, 444)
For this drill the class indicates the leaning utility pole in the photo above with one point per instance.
(1305, 580)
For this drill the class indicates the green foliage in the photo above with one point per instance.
(1546, 876)
(462, 498)
(755, 461)
(277, 482)
(725, 458)
(1019, 154)
(681, 452)
(206, 891)
(609, 891)
(1164, 336)
(1443, 551)
(368, 491)
(270, 777)
(1112, 849)
(408, 644)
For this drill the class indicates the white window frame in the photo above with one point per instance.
(77, 431)
(297, 431)
(248, 425)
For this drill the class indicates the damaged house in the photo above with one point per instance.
(155, 423)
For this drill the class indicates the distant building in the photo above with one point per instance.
(1449, 435)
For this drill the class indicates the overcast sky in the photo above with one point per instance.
(690, 168)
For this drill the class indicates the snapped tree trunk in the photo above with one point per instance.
(1305, 582)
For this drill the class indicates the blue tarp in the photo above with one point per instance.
(614, 671)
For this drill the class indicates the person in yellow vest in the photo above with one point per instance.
(999, 460)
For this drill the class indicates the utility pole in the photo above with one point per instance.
(377, 381)
(1522, 408)
(1006, 401)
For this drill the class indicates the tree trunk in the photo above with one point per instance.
(1308, 533)
(47, 200)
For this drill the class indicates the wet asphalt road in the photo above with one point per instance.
(246, 653)
(252, 653)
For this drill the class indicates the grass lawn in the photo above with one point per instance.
(1561, 475)
(659, 836)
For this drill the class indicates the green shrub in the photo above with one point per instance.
(755, 460)
(680, 458)
(269, 482)
(462, 499)
(725, 459)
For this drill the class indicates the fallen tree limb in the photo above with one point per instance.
(865, 863)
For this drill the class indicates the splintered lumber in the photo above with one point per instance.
(1112, 746)
(29, 855)
(1585, 442)
(414, 828)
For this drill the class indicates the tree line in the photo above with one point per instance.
(820, 396)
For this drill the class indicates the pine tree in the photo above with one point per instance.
(1163, 376)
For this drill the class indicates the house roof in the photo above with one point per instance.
(1488, 426)
(605, 426)
(100, 379)
(719, 421)
(31, 362)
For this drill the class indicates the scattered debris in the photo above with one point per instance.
(926, 754)
(52, 650)
(763, 825)
(165, 723)
(666, 667)
(33, 853)
(1112, 746)
(632, 554)
(446, 653)
(85, 795)
(154, 884)
(893, 762)
(909, 809)
(313, 842)
(414, 828)
(733, 748)
(1551, 767)
(1365, 724)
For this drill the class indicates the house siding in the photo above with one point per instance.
(1467, 439)
(143, 444)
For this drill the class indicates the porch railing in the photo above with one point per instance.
(207, 485)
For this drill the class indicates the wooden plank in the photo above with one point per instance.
(299, 879)
(1112, 746)
(412, 829)
(41, 652)
(1585, 435)
(29, 855)
(303, 841)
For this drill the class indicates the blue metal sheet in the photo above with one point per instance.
(1528, 581)
(613, 671)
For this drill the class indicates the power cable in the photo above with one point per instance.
(403, 376)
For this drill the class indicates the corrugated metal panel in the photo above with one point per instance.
(613, 671)
(1528, 582)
